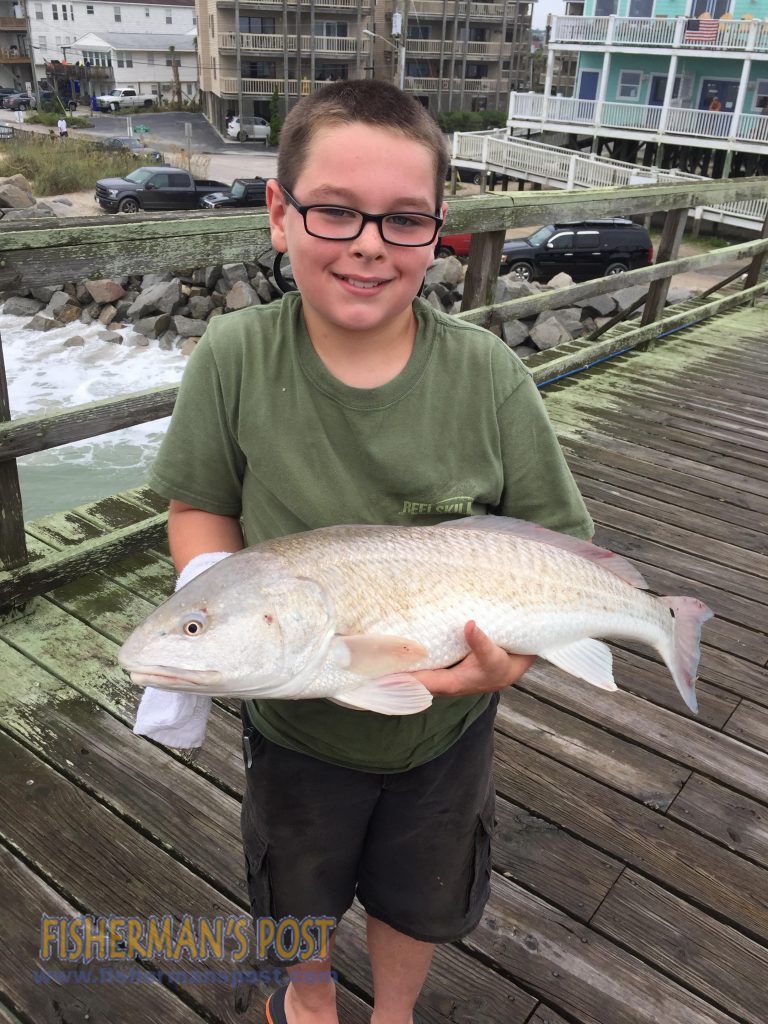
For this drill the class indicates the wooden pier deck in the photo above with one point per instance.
(630, 880)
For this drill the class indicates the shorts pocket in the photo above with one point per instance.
(257, 876)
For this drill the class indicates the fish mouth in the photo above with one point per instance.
(159, 675)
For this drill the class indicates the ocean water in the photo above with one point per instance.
(43, 375)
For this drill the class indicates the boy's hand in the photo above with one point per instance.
(485, 669)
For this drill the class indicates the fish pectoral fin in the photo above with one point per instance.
(590, 660)
(398, 694)
(375, 655)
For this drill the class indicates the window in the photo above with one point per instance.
(146, 12)
(564, 241)
(256, 25)
(64, 12)
(418, 32)
(259, 69)
(55, 11)
(335, 29)
(97, 58)
(150, 58)
(477, 70)
(124, 60)
(89, 8)
(38, 12)
(760, 102)
(168, 15)
(118, 15)
(629, 85)
(71, 12)
(42, 42)
(212, 26)
(587, 240)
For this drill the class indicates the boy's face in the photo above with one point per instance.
(366, 284)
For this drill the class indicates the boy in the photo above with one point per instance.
(354, 402)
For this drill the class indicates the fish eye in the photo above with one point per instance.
(193, 624)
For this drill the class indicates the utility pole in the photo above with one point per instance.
(239, 67)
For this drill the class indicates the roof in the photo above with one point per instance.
(183, 42)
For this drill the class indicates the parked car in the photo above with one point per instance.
(250, 128)
(122, 98)
(242, 192)
(584, 249)
(134, 147)
(453, 245)
(19, 101)
(154, 188)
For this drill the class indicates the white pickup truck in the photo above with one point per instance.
(124, 97)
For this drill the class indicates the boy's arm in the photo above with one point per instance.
(192, 532)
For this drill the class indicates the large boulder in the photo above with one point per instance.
(508, 288)
(163, 297)
(104, 290)
(17, 305)
(240, 296)
(14, 198)
(598, 305)
(626, 297)
(561, 280)
(549, 334)
(187, 327)
(200, 306)
(231, 273)
(514, 332)
(447, 272)
(40, 322)
(153, 326)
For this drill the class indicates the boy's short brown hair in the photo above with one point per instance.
(369, 102)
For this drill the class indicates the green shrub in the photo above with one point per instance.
(54, 165)
(51, 118)
(275, 121)
(471, 121)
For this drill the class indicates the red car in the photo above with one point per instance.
(453, 245)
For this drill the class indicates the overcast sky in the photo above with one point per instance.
(544, 7)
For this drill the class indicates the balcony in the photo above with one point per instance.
(632, 117)
(451, 47)
(13, 25)
(13, 55)
(436, 8)
(661, 34)
(339, 46)
(249, 5)
(469, 85)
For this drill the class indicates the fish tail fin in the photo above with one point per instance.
(684, 649)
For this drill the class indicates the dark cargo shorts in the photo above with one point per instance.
(413, 846)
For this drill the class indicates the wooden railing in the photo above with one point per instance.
(111, 246)
(748, 35)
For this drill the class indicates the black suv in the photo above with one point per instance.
(242, 192)
(584, 249)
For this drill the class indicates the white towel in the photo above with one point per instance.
(177, 719)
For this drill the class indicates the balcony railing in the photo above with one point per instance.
(451, 47)
(669, 33)
(435, 9)
(708, 124)
(473, 85)
(13, 56)
(293, 4)
(12, 25)
(259, 42)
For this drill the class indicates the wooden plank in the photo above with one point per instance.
(680, 739)
(547, 860)
(483, 269)
(124, 874)
(586, 977)
(546, 1015)
(38, 433)
(745, 508)
(175, 806)
(706, 516)
(758, 263)
(79, 655)
(749, 723)
(707, 956)
(458, 986)
(36, 989)
(13, 549)
(630, 769)
(18, 585)
(695, 867)
(730, 818)
(667, 249)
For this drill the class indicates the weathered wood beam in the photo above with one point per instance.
(38, 433)
(758, 263)
(576, 360)
(482, 269)
(20, 584)
(669, 246)
(13, 545)
(529, 305)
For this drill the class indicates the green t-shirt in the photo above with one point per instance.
(262, 430)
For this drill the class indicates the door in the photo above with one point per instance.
(641, 8)
(588, 85)
(722, 89)
(604, 8)
(658, 88)
(588, 261)
(155, 189)
(557, 255)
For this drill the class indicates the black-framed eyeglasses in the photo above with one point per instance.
(343, 223)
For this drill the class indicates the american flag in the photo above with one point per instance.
(700, 30)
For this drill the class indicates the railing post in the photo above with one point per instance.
(13, 545)
(756, 266)
(571, 172)
(671, 236)
(483, 269)
(677, 41)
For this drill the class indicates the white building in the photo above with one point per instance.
(84, 48)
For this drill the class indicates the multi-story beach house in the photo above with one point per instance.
(15, 49)
(451, 54)
(671, 83)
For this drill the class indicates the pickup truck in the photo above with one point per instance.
(154, 188)
(242, 192)
(124, 97)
